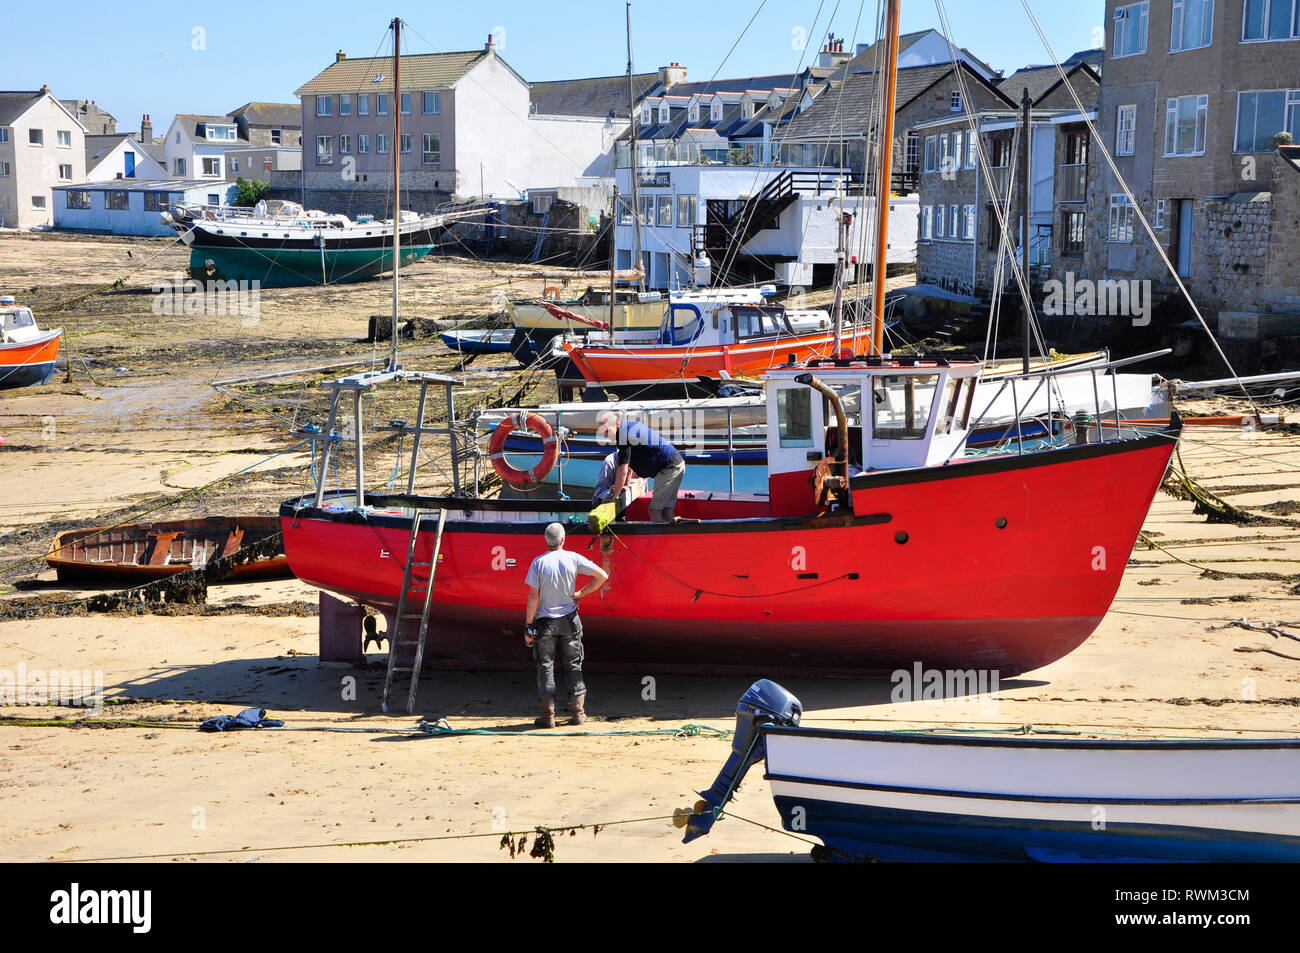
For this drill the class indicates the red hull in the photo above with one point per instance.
(781, 595)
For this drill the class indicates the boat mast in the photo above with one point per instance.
(631, 113)
(1026, 185)
(884, 175)
(397, 175)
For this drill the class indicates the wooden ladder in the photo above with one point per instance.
(417, 585)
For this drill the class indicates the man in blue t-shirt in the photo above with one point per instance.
(646, 453)
(551, 621)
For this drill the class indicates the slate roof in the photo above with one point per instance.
(846, 107)
(419, 71)
(597, 96)
(14, 104)
(277, 115)
(99, 146)
(1042, 80)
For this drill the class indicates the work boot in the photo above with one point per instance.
(577, 703)
(547, 718)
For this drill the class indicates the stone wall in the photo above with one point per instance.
(1230, 258)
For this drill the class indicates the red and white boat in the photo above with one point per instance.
(906, 551)
(27, 354)
(713, 334)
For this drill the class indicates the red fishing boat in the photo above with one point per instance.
(27, 354)
(986, 567)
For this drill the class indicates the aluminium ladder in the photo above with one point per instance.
(413, 584)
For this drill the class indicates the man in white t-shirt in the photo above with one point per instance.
(551, 621)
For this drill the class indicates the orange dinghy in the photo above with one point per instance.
(27, 354)
(710, 334)
(147, 551)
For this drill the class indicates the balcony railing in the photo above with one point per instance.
(1072, 183)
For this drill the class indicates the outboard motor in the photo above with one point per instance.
(765, 703)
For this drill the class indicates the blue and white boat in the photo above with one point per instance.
(478, 342)
(928, 797)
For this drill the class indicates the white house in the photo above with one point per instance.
(131, 206)
(196, 146)
(119, 156)
(42, 144)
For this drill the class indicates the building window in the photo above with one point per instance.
(38, 201)
(64, 138)
(78, 199)
(324, 150)
(5, 170)
(940, 218)
(913, 152)
(363, 144)
(927, 220)
(972, 150)
(715, 112)
(664, 113)
(178, 135)
(1271, 20)
(345, 105)
(664, 209)
(1121, 219)
(381, 144)
(645, 114)
(747, 110)
(65, 172)
(624, 212)
(694, 113)
(155, 201)
(267, 163)
(686, 211)
(275, 137)
(234, 165)
(954, 222)
(345, 145)
(1160, 214)
(36, 137)
(117, 201)
(381, 104)
(363, 104)
(4, 136)
(542, 203)
(406, 103)
(406, 143)
(931, 152)
(1193, 25)
(1131, 29)
(1261, 116)
(1125, 130)
(432, 149)
(1072, 233)
(432, 103)
(1000, 150)
(955, 101)
(324, 106)
(945, 152)
(968, 223)
(180, 166)
(212, 166)
(1185, 120)
(214, 198)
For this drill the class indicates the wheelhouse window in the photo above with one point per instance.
(794, 417)
(902, 406)
(1131, 29)
(758, 322)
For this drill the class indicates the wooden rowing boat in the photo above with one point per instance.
(148, 551)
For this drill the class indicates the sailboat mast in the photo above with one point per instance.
(631, 114)
(1026, 190)
(397, 176)
(884, 175)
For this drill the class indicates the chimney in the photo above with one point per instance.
(340, 56)
(833, 53)
(672, 74)
(146, 130)
(491, 45)
(45, 90)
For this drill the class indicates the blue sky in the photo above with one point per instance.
(165, 58)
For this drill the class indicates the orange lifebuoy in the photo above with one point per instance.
(523, 479)
(550, 293)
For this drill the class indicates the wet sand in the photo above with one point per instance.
(1165, 661)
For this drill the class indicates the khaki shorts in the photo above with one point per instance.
(667, 482)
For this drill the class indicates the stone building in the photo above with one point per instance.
(1194, 95)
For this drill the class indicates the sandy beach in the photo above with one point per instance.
(139, 429)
